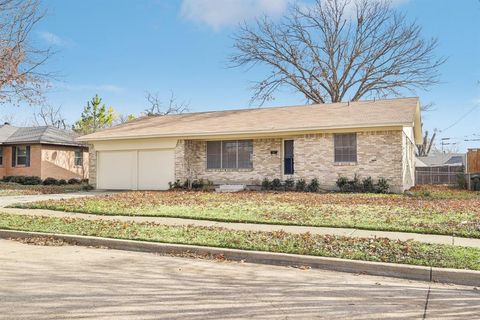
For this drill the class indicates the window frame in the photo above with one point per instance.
(343, 148)
(221, 154)
(17, 156)
(1, 156)
(75, 158)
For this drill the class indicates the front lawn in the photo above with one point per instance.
(16, 189)
(378, 249)
(440, 211)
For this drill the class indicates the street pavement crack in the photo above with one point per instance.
(426, 303)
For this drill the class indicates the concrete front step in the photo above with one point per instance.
(231, 188)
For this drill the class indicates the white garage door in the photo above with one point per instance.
(116, 170)
(135, 169)
(155, 169)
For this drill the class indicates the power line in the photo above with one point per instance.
(461, 118)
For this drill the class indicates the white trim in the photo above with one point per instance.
(302, 130)
(282, 158)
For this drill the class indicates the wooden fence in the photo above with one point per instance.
(473, 161)
(437, 175)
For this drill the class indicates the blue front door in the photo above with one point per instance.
(288, 163)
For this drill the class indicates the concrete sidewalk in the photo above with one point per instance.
(426, 238)
(9, 200)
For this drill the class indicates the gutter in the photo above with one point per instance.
(404, 271)
(253, 132)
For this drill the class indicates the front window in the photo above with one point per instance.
(345, 145)
(79, 157)
(21, 156)
(230, 154)
(1, 156)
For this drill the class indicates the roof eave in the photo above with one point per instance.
(70, 144)
(90, 138)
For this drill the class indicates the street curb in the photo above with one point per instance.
(411, 272)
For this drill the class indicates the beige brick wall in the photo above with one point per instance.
(379, 154)
(92, 166)
(192, 154)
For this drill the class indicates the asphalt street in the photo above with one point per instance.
(71, 282)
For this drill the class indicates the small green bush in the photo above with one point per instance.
(87, 187)
(313, 186)
(342, 182)
(74, 181)
(461, 180)
(266, 185)
(382, 186)
(32, 180)
(50, 181)
(346, 185)
(202, 184)
(276, 185)
(356, 184)
(289, 184)
(7, 178)
(368, 185)
(25, 180)
(197, 184)
(18, 179)
(175, 185)
(301, 185)
(62, 182)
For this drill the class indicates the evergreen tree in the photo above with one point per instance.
(95, 116)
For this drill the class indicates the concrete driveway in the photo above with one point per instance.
(72, 282)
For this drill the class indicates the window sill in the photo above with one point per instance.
(345, 164)
(230, 170)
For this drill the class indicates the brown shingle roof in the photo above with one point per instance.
(41, 134)
(361, 114)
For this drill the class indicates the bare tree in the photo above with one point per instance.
(50, 116)
(124, 118)
(338, 50)
(8, 118)
(424, 149)
(21, 77)
(157, 108)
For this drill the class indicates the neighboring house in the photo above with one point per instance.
(441, 159)
(41, 151)
(368, 138)
(439, 168)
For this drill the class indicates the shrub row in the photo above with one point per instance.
(366, 185)
(34, 180)
(290, 185)
(197, 184)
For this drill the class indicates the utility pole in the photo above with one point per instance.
(443, 143)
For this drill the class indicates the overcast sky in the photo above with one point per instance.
(120, 49)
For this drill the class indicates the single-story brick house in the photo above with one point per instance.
(368, 138)
(43, 151)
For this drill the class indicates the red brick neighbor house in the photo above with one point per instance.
(43, 152)
(367, 138)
